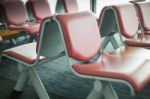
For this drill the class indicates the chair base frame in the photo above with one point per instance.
(102, 89)
(32, 75)
(110, 39)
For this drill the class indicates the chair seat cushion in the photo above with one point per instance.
(137, 43)
(130, 51)
(25, 53)
(32, 28)
(144, 36)
(147, 32)
(143, 41)
(133, 70)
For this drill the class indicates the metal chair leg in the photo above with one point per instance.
(96, 92)
(102, 89)
(109, 92)
(38, 85)
(21, 81)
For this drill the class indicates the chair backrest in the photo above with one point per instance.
(143, 9)
(127, 19)
(81, 35)
(15, 12)
(107, 21)
(49, 42)
(40, 9)
(66, 6)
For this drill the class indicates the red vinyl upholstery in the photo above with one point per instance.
(127, 19)
(147, 32)
(16, 17)
(138, 43)
(144, 14)
(129, 26)
(41, 9)
(142, 41)
(30, 27)
(124, 68)
(25, 53)
(77, 45)
(70, 5)
(82, 40)
(15, 12)
(130, 51)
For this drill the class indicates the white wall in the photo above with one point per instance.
(84, 5)
(52, 4)
(102, 3)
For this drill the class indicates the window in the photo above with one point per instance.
(102, 3)
(52, 5)
(84, 5)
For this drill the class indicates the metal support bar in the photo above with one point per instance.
(111, 39)
(105, 42)
(114, 42)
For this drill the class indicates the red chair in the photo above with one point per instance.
(50, 46)
(5, 33)
(28, 56)
(66, 6)
(82, 41)
(144, 14)
(16, 18)
(40, 9)
(128, 25)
